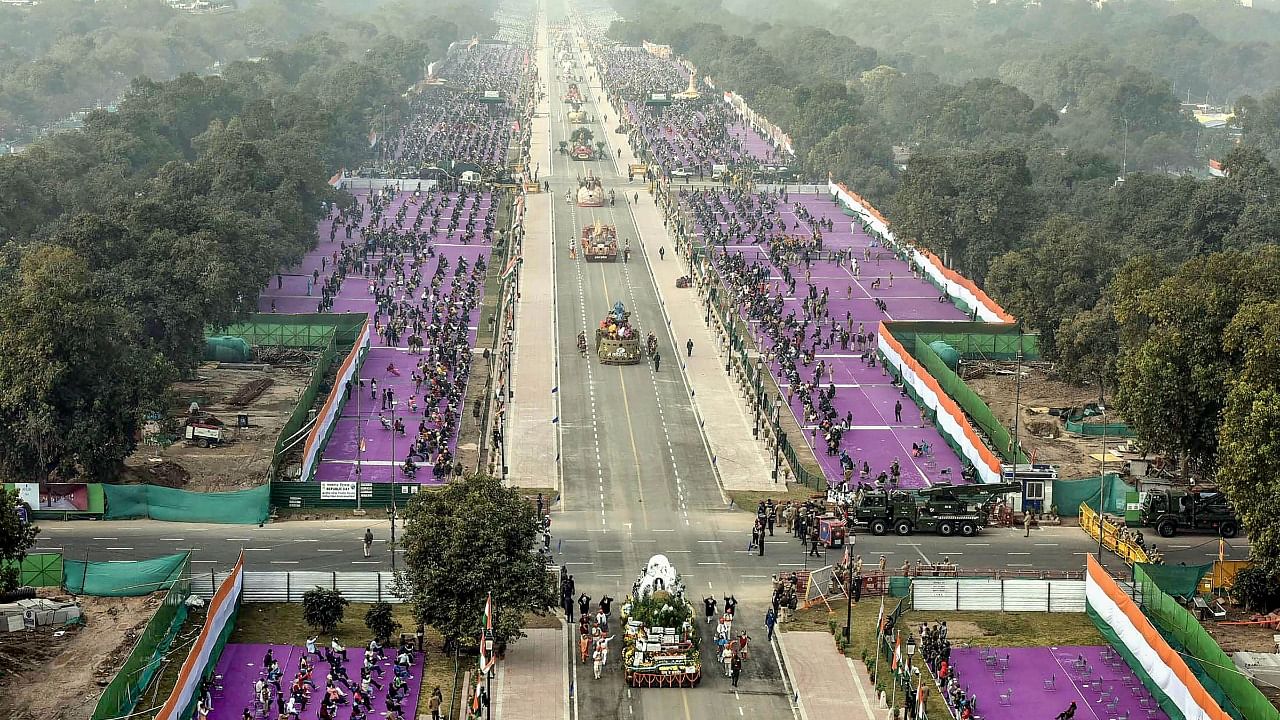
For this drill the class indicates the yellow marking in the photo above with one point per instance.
(684, 698)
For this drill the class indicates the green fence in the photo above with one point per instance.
(1069, 495)
(313, 331)
(973, 340)
(1116, 430)
(120, 696)
(979, 414)
(374, 496)
(245, 507)
(124, 579)
(1233, 690)
(39, 570)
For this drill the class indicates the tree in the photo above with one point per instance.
(16, 538)
(471, 538)
(380, 620)
(323, 609)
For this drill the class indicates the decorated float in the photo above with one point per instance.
(591, 194)
(617, 340)
(599, 242)
(660, 633)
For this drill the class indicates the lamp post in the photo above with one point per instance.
(392, 511)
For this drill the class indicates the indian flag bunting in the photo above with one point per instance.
(486, 662)
(511, 266)
(475, 700)
(897, 651)
(880, 617)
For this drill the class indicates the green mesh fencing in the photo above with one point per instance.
(1118, 430)
(306, 331)
(39, 570)
(120, 697)
(244, 507)
(1069, 495)
(1233, 690)
(972, 405)
(1181, 581)
(973, 340)
(124, 579)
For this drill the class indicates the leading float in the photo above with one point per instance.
(660, 640)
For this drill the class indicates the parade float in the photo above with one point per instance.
(591, 194)
(617, 340)
(573, 95)
(660, 632)
(581, 142)
(599, 242)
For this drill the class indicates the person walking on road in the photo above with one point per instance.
(770, 620)
(735, 669)
(1026, 523)
(662, 253)
(584, 605)
(897, 411)
(657, 360)
(368, 541)
(597, 663)
(688, 346)
(709, 604)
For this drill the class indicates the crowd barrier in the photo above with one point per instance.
(289, 586)
(318, 437)
(1012, 595)
(203, 656)
(1162, 669)
(1112, 537)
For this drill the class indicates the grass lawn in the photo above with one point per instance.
(989, 629)
(282, 623)
(747, 500)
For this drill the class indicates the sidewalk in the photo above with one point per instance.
(828, 685)
(532, 682)
(740, 458)
(533, 407)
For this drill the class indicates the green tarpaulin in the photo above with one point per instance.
(246, 507)
(1177, 580)
(123, 579)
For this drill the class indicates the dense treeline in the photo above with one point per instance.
(129, 238)
(1160, 288)
(64, 55)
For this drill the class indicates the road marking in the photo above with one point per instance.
(1018, 553)
(173, 539)
(300, 540)
(609, 551)
(232, 539)
(791, 565)
(49, 548)
(106, 538)
(119, 548)
(1020, 565)
(976, 544)
(204, 561)
(718, 563)
(666, 530)
(328, 549)
(710, 541)
(366, 562)
(1046, 544)
(295, 562)
(256, 549)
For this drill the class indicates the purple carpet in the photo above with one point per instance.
(241, 665)
(1042, 682)
(298, 291)
(876, 437)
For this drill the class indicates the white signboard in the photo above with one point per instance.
(337, 491)
(29, 493)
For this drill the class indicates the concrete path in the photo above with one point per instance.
(532, 682)
(533, 409)
(827, 684)
(740, 459)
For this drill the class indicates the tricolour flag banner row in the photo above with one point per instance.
(328, 415)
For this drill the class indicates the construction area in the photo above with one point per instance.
(57, 671)
(1042, 434)
(242, 408)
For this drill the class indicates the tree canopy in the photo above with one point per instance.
(465, 541)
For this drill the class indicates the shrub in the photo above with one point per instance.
(323, 609)
(380, 621)
(1257, 587)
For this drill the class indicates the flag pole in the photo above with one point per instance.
(893, 696)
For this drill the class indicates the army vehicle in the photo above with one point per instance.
(1172, 510)
(943, 509)
(600, 242)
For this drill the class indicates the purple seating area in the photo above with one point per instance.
(451, 123)
(694, 135)
(638, 74)
(414, 262)
(1018, 683)
(782, 279)
(241, 665)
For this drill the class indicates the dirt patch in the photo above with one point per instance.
(265, 393)
(1041, 433)
(1241, 638)
(47, 676)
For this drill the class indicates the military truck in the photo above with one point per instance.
(1170, 510)
(944, 509)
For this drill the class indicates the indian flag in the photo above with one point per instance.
(897, 651)
(1160, 667)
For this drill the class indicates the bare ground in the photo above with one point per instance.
(1039, 431)
(46, 676)
(244, 460)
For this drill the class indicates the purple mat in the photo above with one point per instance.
(1030, 668)
(877, 437)
(241, 665)
(298, 291)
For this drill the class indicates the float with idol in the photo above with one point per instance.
(660, 632)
